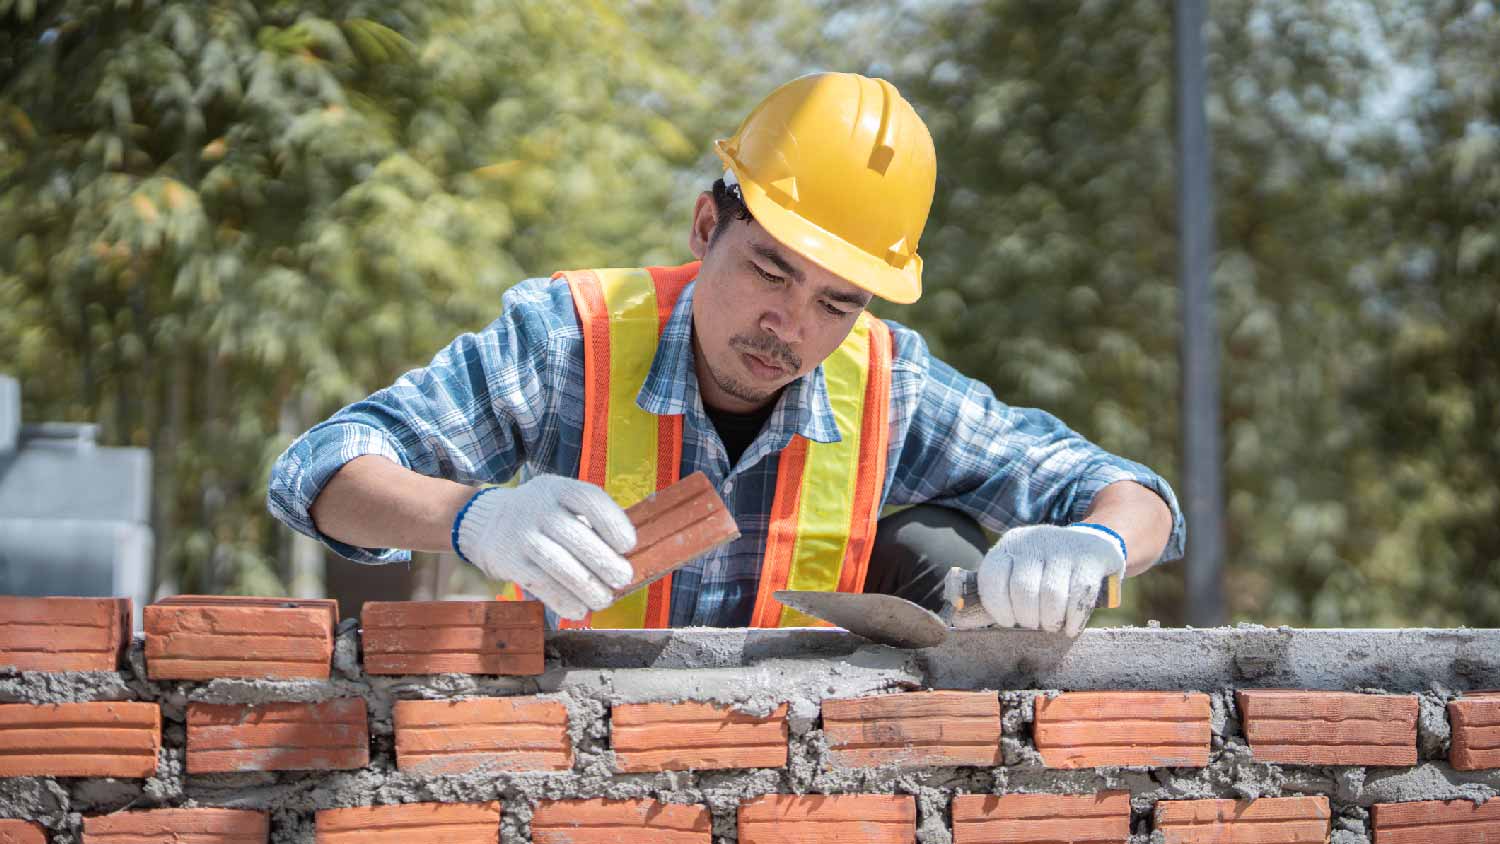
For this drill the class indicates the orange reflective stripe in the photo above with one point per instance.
(669, 284)
(594, 320)
(781, 537)
(873, 442)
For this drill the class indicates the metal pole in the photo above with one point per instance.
(1203, 496)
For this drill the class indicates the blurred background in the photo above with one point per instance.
(222, 221)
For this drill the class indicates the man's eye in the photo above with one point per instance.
(834, 311)
(774, 279)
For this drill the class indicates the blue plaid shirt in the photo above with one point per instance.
(510, 398)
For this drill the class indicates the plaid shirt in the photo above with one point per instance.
(510, 398)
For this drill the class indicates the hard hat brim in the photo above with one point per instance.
(856, 266)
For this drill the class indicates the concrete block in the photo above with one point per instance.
(695, 736)
(64, 634)
(1269, 820)
(450, 823)
(333, 735)
(1102, 818)
(917, 729)
(168, 826)
(841, 819)
(1096, 729)
(195, 637)
(1476, 731)
(440, 637)
(1437, 822)
(436, 737)
(1329, 728)
(608, 821)
(106, 739)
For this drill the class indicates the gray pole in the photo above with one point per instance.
(1203, 498)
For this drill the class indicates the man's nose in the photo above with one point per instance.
(782, 326)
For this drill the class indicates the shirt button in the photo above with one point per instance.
(728, 487)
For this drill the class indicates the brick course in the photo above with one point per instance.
(1476, 731)
(1102, 818)
(610, 821)
(194, 637)
(1269, 820)
(105, 739)
(1437, 822)
(695, 736)
(64, 634)
(914, 729)
(450, 823)
(1329, 728)
(502, 734)
(439, 637)
(179, 826)
(1149, 729)
(333, 735)
(802, 819)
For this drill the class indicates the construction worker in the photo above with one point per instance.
(759, 365)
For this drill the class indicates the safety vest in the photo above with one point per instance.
(827, 496)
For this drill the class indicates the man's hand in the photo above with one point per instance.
(1046, 577)
(559, 539)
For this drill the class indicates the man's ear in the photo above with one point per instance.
(705, 217)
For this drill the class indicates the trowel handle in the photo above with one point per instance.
(963, 610)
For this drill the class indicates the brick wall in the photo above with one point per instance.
(710, 736)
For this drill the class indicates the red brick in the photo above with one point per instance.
(807, 818)
(1074, 818)
(1476, 732)
(610, 821)
(277, 736)
(1329, 728)
(197, 637)
(461, 637)
(1437, 822)
(1100, 729)
(916, 729)
(450, 823)
(179, 826)
(676, 525)
(1269, 820)
(21, 832)
(64, 634)
(106, 739)
(696, 737)
(500, 734)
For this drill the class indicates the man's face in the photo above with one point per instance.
(763, 315)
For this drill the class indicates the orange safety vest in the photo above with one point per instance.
(828, 495)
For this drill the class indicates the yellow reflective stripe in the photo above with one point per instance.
(825, 506)
(630, 462)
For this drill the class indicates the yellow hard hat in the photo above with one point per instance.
(840, 168)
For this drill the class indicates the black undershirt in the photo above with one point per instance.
(738, 430)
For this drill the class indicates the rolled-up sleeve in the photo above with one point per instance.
(470, 416)
(1005, 466)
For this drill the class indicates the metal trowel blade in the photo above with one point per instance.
(886, 619)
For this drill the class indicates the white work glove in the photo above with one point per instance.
(1047, 577)
(558, 538)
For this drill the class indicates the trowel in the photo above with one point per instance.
(894, 621)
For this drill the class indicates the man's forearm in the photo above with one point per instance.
(1137, 514)
(375, 503)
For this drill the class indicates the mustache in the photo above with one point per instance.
(767, 347)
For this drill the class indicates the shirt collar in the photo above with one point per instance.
(671, 387)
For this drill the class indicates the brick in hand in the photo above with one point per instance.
(277, 736)
(1269, 820)
(1476, 731)
(1147, 729)
(106, 739)
(695, 736)
(197, 637)
(1329, 728)
(171, 826)
(437, 737)
(462, 637)
(801, 819)
(64, 634)
(1075, 818)
(450, 823)
(610, 821)
(675, 525)
(917, 729)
